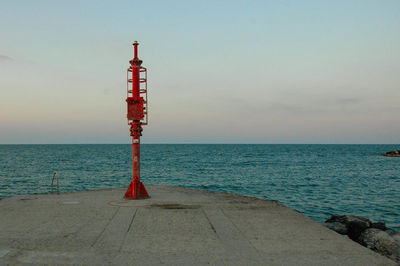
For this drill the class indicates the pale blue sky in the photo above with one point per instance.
(219, 71)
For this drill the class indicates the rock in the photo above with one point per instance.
(397, 238)
(381, 242)
(345, 219)
(395, 235)
(379, 225)
(354, 224)
(393, 153)
(337, 227)
(375, 236)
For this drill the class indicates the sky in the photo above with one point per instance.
(218, 71)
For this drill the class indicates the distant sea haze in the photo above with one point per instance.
(316, 180)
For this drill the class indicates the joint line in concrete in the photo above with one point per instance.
(237, 228)
(133, 217)
(211, 225)
(127, 231)
(104, 229)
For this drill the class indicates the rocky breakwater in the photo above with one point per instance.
(372, 235)
(393, 153)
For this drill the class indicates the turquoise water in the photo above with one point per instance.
(316, 180)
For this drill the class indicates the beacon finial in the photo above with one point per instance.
(135, 52)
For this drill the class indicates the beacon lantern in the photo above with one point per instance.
(137, 117)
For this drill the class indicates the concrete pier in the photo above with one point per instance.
(176, 226)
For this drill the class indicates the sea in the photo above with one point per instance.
(315, 180)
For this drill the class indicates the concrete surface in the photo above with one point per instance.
(176, 226)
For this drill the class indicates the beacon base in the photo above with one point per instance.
(136, 190)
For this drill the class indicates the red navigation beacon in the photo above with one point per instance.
(137, 116)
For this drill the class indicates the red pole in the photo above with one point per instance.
(136, 189)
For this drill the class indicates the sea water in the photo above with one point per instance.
(316, 180)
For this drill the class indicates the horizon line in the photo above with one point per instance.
(189, 143)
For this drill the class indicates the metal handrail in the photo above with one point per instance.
(55, 175)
